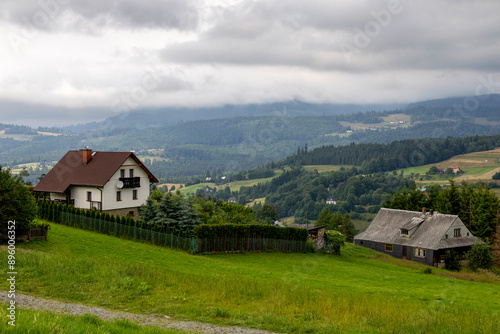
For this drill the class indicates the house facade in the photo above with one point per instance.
(424, 237)
(116, 182)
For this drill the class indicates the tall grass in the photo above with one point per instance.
(281, 292)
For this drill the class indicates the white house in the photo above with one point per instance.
(116, 182)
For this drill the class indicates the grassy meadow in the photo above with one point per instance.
(30, 321)
(360, 291)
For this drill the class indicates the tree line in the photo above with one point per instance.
(476, 205)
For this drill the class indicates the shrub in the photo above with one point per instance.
(479, 256)
(310, 248)
(427, 271)
(16, 202)
(452, 261)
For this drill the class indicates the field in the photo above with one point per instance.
(478, 166)
(325, 168)
(358, 292)
(234, 186)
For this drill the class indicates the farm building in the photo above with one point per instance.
(116, 182)
(424, 237)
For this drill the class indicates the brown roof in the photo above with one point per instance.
(71, 170)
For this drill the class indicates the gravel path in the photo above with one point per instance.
(42, 304)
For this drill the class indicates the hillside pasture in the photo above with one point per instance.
(358, 291)
(477, 166)
(325, 168)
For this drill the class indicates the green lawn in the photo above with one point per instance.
(359, 291)
(30, 321)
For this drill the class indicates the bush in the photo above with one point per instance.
(334, 237)
(310, 248)
(479, 256)
(16, 203)
(212, 231)
(452, 261)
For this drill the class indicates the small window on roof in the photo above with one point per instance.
(404, 231)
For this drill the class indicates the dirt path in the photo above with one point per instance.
(42, 304)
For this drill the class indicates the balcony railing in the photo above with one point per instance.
(96, 205)
(131, 182)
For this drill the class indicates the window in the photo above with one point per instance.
(419, 252)
(118, 195)
(388, 247)
(130, 173)
(456, 233)
(122, 172)
(89, 196)
(404, 231)
(134, 194)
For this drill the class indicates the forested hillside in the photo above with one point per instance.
(230, 144)
(399, 154)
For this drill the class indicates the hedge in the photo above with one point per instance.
(224, 231)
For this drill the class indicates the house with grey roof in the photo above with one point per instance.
(424, 237)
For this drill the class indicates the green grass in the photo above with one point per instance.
(234, 186)
(479, 170)
(29, 321)
(192, 189)
(325, 168)
(360, 291)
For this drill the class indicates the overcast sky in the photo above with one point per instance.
(72, 60)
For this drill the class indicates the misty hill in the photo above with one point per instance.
(145, 118)
(235, 143)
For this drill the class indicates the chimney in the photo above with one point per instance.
(431, 211)
(86, 155)
(423, 210)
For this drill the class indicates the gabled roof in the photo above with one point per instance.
(71, 170)
(429, 234)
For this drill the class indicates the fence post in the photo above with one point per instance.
(116, 229)
(99, 223)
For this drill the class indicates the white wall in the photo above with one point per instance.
(79, 194)
(56, 196)
(110, 189)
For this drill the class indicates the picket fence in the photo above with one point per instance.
(177, 241)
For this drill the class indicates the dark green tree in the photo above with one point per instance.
(16, 202)
(267, 213)
(324, 217)
(479, 256)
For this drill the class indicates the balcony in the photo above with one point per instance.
(131, 182)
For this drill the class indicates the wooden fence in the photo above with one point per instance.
(177, 240)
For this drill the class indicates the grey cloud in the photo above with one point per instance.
(36, 115)
(311, 34)
(176, 14)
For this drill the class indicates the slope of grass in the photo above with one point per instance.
(28, 321)
(293, 293)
